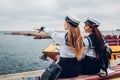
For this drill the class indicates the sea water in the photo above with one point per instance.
(19, 53)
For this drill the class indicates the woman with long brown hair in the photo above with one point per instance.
(93, 47)
(71, 46)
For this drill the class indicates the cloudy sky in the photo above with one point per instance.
(26, 14)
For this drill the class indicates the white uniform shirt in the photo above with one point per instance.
(65, 51)
(87, 50)
(90, 51)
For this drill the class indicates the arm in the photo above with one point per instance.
(58, 37)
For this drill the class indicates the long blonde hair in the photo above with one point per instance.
(75, 40)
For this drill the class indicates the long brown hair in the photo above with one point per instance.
(75, 40)
(99, 42)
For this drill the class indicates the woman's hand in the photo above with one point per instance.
(38, 29)
(57, 59)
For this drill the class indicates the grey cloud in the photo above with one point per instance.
(31, 12)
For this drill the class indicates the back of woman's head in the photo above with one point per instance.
(74, 37)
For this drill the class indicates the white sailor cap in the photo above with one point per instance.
(73, 20)
(92, 22)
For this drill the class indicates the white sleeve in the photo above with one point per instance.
(86, 45)
(58, 37)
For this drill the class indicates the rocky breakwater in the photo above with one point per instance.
(35, 35)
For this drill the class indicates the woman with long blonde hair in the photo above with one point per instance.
(71, 46)
(74, 40)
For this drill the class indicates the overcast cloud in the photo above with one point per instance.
(25, 14)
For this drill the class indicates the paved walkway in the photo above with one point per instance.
(21, 76)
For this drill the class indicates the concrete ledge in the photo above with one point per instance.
(21, 76)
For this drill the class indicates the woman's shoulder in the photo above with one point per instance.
(89, 40)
